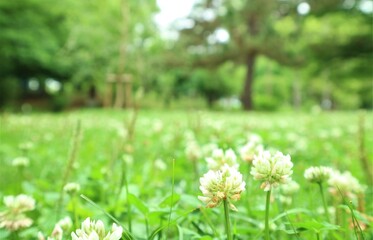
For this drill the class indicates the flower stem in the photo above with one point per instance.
(227, 220)
(324, 202)
(267, 237)
(75, 213)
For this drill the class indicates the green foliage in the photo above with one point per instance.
(325, 54)
(9, 90)
(311, 140)
(31, 37)
(210, 85)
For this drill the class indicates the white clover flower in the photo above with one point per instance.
(21, 162)
(57, 233)
(224, 184)
(41, 236)
(95, 230)
(13, 218)
(272, 169)
(317, 174)
(157, 126)
(331, 211)
(160, 164)
(193, 151)
(345, 184)
(20, 203)
(272, 226)
(251, 148)
(189, 136)
(65, 223)
(285, 200)
(25, 146)
(219, 158)
(71, 188)
(286, 192)
(289, 188)
(128, 159)
(208, 149)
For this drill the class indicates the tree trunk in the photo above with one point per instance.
(247, 98)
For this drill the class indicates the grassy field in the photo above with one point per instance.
(144, 170)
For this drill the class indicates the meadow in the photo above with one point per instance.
(142, 170)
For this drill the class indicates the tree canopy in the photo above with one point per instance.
(270, 54)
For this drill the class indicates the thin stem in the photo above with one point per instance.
(317, 236)
(128, 235)
(69, 167)
(147, 225)
(21, 179)
(355, 222)
(208, 221)
(267, 236)
(129, 217)
(324, 202)
(227, 220)
(172, 195)
(195, 168)
(248, 188)
(75, 213)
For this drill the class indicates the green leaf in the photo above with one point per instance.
(167, 201)
(292, 211)
(140, 205)
(316, 226)
(4, 234)
(181, 234)
(205, 238)
(160, 228)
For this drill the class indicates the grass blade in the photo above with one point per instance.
(126, 232)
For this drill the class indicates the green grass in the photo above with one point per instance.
(330, 139)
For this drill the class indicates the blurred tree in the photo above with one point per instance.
(312, 36)
(75, 41)
(239, 31)
(341, 52)
(114, 36)
(31, 37)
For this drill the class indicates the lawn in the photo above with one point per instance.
(143, 170)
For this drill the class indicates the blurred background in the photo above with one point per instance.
(264, 55)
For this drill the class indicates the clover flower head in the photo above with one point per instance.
(71, 188)
(318, 174)
(13, 218)
(20, 203)
(286, 192)
(285, 200)
(224, 184)
(219, 158)
(21, 162)
(92, 230)
(193, 151)
(25, 146)
(207, 149)
(272, 169)
(289, 188)
(251, 148)
(157, 126)
(127, 159)
(189, 136)
(65, 223)
(345, 184)
(160, 164)
(57, 234)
